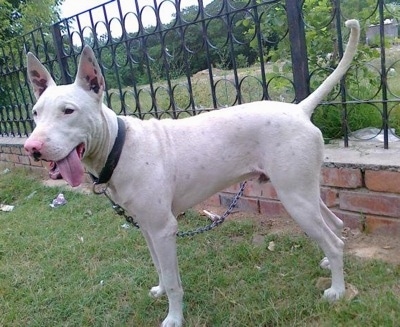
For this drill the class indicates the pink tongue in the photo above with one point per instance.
(71, 169)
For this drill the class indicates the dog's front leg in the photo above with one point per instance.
(158, 290)
(162, 245)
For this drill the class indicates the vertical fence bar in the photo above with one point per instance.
(260, 48)
(229, 22)
(345, 127)
(298, 50)
(166, 69)
(203, 18)
(61, 59)
(186, 59)
(383, 74)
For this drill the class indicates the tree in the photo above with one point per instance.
(18, 17)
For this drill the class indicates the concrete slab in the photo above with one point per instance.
(363, 153)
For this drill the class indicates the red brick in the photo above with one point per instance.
(244, 203)
(383, 181)
(257, 189)
(24, 160)
(10, 157)
(213, 201)
(341, 177)
(383, 225)
(35, 163)
(16, 150)
(273, 208)
(329, 196)
(370, 203)
(5, 149)
(350, 219)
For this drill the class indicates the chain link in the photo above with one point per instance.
(215, 223)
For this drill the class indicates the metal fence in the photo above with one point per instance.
(167, 60)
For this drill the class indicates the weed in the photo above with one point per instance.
(363, 223)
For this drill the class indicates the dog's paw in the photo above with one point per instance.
(157, 291)
(324, 263)
(332, 294)
(171, 321)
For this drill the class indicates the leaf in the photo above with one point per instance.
(287, 67)
(244, 22)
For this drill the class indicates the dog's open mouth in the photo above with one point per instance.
(70, 168)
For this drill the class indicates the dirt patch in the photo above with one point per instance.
(365, 246)
(379, 247)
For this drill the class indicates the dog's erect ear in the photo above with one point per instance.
(38, 75)
(89, 75)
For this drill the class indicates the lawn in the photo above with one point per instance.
(76, 265)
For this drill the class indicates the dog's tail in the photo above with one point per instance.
(310, 103)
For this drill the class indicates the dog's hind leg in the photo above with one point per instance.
(334, 223)
(302, 203)
(331, 219)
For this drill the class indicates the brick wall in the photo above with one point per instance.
(363, 196)
(13, 153)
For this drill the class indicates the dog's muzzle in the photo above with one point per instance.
(33, 147)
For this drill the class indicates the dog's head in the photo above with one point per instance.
(66, 116)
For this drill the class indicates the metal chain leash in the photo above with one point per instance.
(215, 223)
(219, 220)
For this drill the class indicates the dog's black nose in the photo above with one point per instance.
(36, 155)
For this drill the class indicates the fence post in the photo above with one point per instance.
(61, 58)
(385, 115)
(298, 50)
(343, 91)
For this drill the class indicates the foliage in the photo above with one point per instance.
(19, 17)
(362, 80)
(273, 29)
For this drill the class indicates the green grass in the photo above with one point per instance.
(75, 266)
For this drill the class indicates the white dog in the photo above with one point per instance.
(167, 166)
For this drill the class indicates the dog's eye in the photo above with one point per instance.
(34, 113)
(68, 111)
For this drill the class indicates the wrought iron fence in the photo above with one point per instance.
(167, 60)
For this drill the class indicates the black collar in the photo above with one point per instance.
(113, 157)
